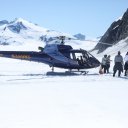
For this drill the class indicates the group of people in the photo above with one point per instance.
(120, 63)
(105, 64)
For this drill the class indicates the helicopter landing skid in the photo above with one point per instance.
(84, 72)
(67, 73)
(81, 72)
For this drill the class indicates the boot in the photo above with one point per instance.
(125, 74)
(119, 72)
(114, 73)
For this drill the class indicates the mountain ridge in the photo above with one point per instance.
(21, 32)
(23, 29)
(117, 31)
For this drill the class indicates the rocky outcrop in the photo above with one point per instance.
(3, 22)
(116, 32)
(17, 27)
(80, 36)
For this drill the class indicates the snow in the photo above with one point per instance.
(119, 18)
(115, 27)
(121, 46)
(30, 25)
(31, 99)
(32, 32)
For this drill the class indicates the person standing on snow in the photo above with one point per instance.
(108, 63)
(126, 64)
(118, 64)
(103, 63)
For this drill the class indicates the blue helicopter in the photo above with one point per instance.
(57, 55)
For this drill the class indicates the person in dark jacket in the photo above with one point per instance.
(126, 64)
(118, 64)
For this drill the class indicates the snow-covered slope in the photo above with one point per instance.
(23, 35)
(21, 31)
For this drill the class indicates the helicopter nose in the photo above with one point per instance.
(97, 63)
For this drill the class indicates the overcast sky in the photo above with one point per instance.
(89, 17)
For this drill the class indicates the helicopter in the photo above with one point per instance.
(57, 55)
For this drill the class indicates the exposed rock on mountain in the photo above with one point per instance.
(116, 32)
(16, 27)
(3, 22)
(80, 36)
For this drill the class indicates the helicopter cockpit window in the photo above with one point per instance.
(72, 56)
(77, 56)
(85, 56)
